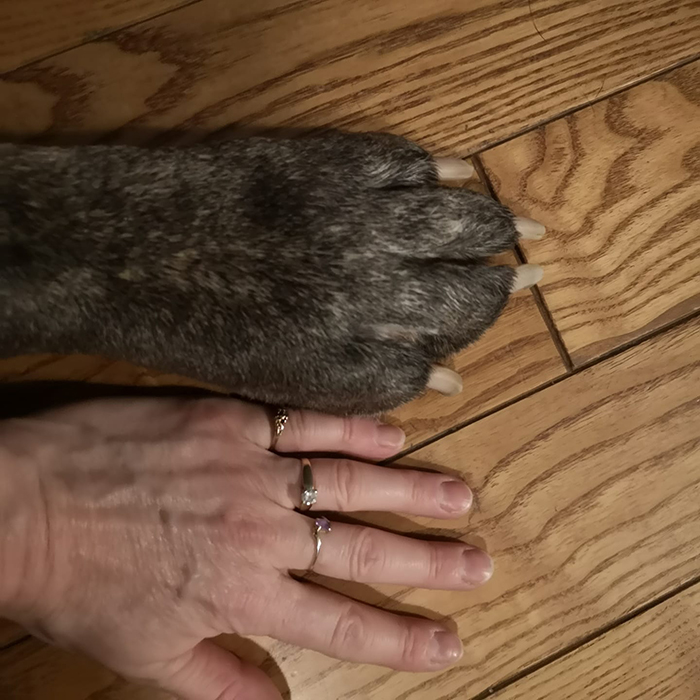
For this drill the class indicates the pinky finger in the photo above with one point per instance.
(325, 621)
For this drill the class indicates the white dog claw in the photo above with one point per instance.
(445, 381)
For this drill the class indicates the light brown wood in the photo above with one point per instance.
(455, 75)
(33, 29)
(618, 187)
(652, 656)
(587, 491)
(514, 357)
(588, 496)
(87, 368)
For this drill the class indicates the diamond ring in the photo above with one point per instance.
(309, 494)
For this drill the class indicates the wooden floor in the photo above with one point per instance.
(579, 425)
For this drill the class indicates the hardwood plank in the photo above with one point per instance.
(456, 75)
(618, 186)
(33, 29)
(59, 681)
(10, 632)
(654, 655)
(514, 357)
(588, 496)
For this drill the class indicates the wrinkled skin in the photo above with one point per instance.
(135, 529)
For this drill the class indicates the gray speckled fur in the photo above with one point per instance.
(327, 272)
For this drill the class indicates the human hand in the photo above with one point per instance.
(142, 528)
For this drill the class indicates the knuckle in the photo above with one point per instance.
(248, 614)
(416, 492)
(232, 691)
(299, 428)
(245, 534)
(367, 557)
(413, 645)
(349, 431)
(346, 484)
(349, 632)
(209, 414)
(437, 562)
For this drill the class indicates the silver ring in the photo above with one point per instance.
(279, 423)
(309, 494)
(321, 527)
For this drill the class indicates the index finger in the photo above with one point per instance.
(308, 431)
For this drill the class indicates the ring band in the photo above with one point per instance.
(309, 493)
(279, 423)
(321, 527)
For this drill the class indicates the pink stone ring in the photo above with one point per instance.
(321, 527)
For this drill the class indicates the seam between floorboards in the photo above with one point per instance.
(614, 352)
(588, 103)
(544, 311)
(540, 300)
(586, 639)
(509, 137)
(15, 642)
(97, 36)
(619, 621)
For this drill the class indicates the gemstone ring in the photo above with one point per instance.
(278, 424)
(321, 527)
(309, 494)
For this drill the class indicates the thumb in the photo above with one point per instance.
(209, 672)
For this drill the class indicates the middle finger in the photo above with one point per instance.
(345, 485)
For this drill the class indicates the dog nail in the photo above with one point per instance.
(453, 169)
(527, 276)
(445, 381)
(529, 229)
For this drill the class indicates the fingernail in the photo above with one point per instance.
(445, 648)
(529, 229)
(455, 496)
(477, 566)
(390, 436)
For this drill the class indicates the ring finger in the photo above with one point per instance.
(368, 555)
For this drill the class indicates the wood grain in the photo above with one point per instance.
(618, 186)
(514, 357)
(456, 75)
(654, 655)
(588, 496)
(33, 29)
(9, 633)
